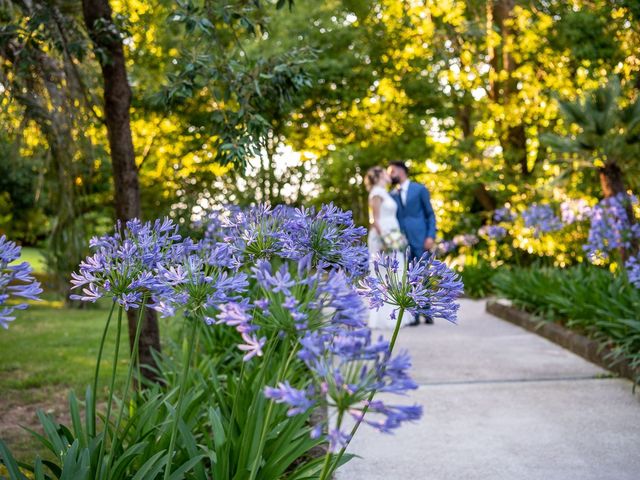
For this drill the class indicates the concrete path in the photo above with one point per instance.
(502, 403)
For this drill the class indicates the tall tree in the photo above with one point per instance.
(42, 80)
(108, 47)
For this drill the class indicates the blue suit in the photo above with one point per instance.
(416, 217)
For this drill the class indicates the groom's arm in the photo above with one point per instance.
(429, 215)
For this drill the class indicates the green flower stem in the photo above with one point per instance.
(92, 425)
(327, 472)
(132, 361)
(327, 457)
(265, 426)
(186, 357)
(111, 389)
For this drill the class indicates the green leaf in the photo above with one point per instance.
(152, 467)
(10, 463)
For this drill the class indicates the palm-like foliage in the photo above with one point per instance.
(608, 135)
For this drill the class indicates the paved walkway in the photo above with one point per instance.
(502, 403)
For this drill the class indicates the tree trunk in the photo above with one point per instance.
(513, 138)
(117, 101)
(612, 183)
(611, 180)
(484, 198)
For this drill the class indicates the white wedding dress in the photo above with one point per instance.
(388, 222)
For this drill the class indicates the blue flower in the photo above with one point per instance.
(124, 264)
(504, 214)
(633, 270)
(429, 287)
(611, 227)
(16, 281)
(495, 232)
(574, 210)
(297, 399)
(252, 346)
(465, 240)
(542, 219)
(445, 246)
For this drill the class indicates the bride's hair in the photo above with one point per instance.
(373, 177)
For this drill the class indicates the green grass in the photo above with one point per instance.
(46, 351)
(35, 257)
(55, 346)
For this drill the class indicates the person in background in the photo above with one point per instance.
(384, 226)
(415, 214)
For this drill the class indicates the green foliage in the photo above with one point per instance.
(586, 298)
(51, 346)
(219, 410)
(609, 132)
(587, 33)
(477, 274)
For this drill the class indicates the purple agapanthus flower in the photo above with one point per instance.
(611, 227)
(123, 264)
(445, 246)
(504, 214)
(633, 270)
(495, 232)
(349, 365)
(542, 219)
(329, 238)
(387, 418)
(16, 282)
(429, 287)
(252, 345)
(196, 280)
(283, 276)
(297, 399)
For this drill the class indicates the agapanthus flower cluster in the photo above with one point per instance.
(504, 214)
(465, 240)
(611, 228)
(329, 237)
(287, 276)
(197, 277)
(123, 265)
(633, 270)
(346, 364)
(495, 232)
(347, 367)
(542, 219)
(428, 287)
(574, 210)
(213, 224)
(16, 282)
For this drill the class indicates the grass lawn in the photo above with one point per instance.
(34, 256)
(47, 350)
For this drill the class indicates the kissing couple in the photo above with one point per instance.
(400, 215)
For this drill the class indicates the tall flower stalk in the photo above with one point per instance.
(187, 351)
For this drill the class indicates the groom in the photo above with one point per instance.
(415, 214)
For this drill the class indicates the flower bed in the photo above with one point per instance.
(271, 305)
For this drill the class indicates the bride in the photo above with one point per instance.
(384, 235)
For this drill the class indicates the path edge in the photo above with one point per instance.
(591, 350)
